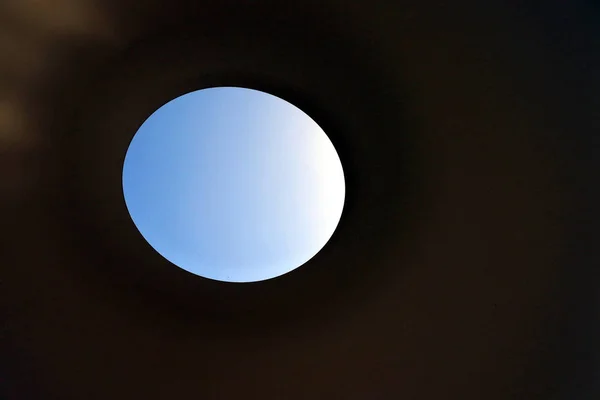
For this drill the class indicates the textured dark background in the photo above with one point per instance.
(465, 265)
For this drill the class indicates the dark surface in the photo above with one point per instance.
(465, 264)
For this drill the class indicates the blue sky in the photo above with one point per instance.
(233, 184)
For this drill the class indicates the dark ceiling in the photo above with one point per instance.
(464, 266)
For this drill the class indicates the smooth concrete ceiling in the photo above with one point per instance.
(464, 267)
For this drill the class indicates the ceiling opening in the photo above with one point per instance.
(233, 184)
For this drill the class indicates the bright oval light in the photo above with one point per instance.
(233, 184)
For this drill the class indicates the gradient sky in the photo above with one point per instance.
(233, 184)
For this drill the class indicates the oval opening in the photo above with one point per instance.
(233, 184)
